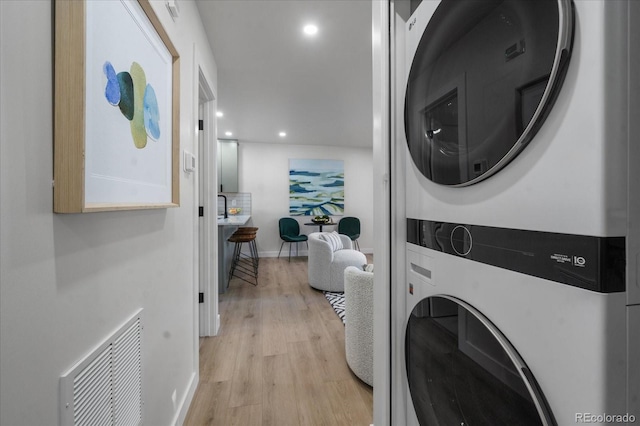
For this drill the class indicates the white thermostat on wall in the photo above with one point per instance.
(188, 162)
(174, 8)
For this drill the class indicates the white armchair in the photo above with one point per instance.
(358, 333)
(326, 266)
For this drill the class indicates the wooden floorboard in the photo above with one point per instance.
(278, 358)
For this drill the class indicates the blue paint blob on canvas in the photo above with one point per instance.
(336, 183)
(296, 188)
(112, 89)
(151, 113)
(302, 173)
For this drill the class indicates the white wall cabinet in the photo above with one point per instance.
(227, 165)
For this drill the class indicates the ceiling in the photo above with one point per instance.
(273, 78)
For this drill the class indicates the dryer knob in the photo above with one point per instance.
(461, 240)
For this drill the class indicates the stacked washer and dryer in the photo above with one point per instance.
(518, 306)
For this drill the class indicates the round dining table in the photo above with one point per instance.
(321, 224)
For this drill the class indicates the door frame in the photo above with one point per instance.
(383, 216)
(207, 321)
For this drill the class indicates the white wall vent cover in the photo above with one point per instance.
(105, 388)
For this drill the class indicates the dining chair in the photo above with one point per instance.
(350, 226)
(290, 233)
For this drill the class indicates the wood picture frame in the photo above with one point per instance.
(116, 108)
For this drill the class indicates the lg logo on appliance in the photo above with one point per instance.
(579, 261)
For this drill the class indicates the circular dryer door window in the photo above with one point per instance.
(462, 371)
(483, 79)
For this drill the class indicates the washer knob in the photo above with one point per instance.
(461, 240)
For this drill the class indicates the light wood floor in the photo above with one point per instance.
(279, 357)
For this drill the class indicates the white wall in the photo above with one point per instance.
(67, 281)
(264, 172)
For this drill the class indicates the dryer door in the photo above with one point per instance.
(462, 371)
(482, 81)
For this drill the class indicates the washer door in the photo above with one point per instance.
(483, 79)
(462, 371)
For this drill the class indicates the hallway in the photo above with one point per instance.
(279, 357)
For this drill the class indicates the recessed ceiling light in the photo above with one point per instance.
(310, 29)
(219, 114)
(282, 134)
(228, 134)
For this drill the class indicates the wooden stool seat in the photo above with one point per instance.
(241, 238)
(246, 230)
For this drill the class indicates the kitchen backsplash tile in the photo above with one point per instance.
(240, 200)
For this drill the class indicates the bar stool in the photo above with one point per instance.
(252, 243)
(246, 230)
(243, 265)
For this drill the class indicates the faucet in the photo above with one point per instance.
(226, 215)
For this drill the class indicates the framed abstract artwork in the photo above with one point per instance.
(116, 108)
(316, 187)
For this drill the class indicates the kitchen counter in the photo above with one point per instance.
(234, 220)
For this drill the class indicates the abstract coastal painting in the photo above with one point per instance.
(123, 104)
(316, 187)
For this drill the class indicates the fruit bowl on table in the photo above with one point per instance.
(321, 221)
(234, 210)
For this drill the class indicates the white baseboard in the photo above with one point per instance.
(284, 254)
(216, 327)
(185, 402)
(301, 253)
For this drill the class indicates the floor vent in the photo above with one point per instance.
(105, 388)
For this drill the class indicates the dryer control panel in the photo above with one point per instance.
(592, 263)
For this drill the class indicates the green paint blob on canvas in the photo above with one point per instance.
(126, 94)
(138, 130)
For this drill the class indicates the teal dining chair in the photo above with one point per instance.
(290, 233)
(350, 226)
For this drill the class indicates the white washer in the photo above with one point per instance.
(517, 116)
(571, 341)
